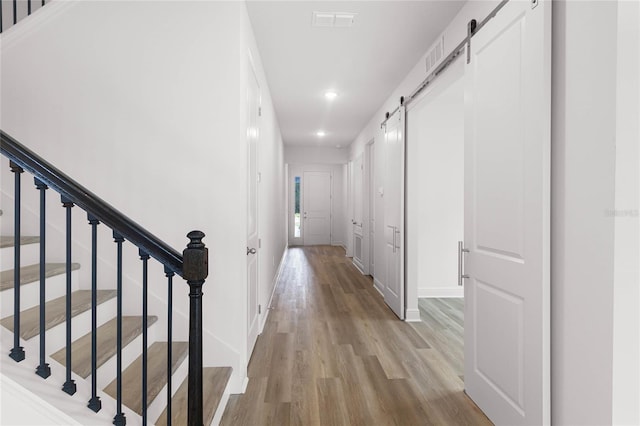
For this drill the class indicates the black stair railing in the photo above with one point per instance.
(13, 6)
(191, 265)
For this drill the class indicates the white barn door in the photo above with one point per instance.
(507, 213)
(393, 289)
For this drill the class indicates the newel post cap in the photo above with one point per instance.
(195, 258)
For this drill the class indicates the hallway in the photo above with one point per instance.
(332, 353)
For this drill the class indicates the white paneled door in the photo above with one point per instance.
(393, 288)
(507, 211)
(316, 215)
(253, 135)
(358, 216)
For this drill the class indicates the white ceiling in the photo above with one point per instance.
(363, 63)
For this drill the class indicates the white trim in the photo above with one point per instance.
(222, 406)
(440, 292)
(34, 22)
(276, 280)
(245, 383)
(378, 286)
(358, 267)
(19, 404)
(412, 315)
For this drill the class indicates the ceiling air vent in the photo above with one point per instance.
(333, 19)
(435, 54)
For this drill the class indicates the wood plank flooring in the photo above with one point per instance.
(332, 353)
(214, 381)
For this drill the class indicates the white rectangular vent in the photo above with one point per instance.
(333, 19)
(436, 54)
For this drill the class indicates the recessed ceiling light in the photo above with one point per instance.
(320, 133)
(330, 95)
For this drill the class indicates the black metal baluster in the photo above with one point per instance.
(145, 260)
(17, 352)
(15, 11)
(43, 370)
(195, 270)
(119, 419)
(94, 403)
(70, 385)
(28, 7)
(169, 274)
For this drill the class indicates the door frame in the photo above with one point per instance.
(293, 172)
(299, 170)
(253, 327)
(303, 208)
(367, 207)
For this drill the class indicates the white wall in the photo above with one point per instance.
(586, 124)
(626, 296)
(152, 118)
(271, 189)
(315, 155)
(594, 347)
(453, 34)
(21, 407)
(435, 188)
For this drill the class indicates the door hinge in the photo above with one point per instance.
(259, 242)
(259, 111)
(259, 309)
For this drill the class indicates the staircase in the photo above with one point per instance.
(14, 11)
(96, 363)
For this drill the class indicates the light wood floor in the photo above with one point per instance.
(332, 353)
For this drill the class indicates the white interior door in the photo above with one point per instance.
(372, 208)
(253, 135)
(507, 174)
(358, 216)
(394, 213)
(316, 208)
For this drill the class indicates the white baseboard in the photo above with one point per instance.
(433, 292)
(378, 286)
(358, 266)
(413, 315)
(276, 280)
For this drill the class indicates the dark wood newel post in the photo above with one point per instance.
(195, 270)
